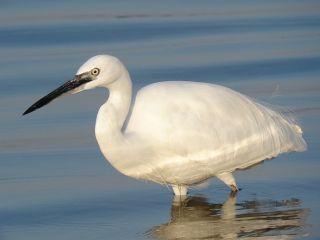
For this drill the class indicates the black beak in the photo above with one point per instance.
(65, 88)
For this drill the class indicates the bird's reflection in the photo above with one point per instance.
(196, 218)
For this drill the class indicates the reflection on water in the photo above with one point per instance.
(196, 218)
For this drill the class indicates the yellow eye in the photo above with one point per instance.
(95, 71)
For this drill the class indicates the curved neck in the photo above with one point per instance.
(113, 113)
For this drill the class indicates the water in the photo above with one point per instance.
(54, 182)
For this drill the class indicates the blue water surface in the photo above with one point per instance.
(55, 183)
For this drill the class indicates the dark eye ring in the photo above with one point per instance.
(95, 71)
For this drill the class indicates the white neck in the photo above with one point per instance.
(111, 117)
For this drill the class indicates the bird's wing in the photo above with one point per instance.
(174, 112)
(204, 121)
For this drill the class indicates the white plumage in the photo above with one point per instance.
(182, 133)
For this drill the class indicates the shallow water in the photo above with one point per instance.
(54, 182)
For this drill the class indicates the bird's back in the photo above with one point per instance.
(210, 125)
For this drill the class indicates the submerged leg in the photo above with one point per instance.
(180, 190)
(228, 179)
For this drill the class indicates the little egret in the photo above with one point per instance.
(179, 133)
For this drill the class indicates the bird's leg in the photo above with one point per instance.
(180, 190)
(229, 180)
(180, 194)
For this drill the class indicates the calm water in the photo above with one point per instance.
(54, 182)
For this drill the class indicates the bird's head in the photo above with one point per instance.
(100, 70)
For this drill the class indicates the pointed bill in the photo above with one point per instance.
(63, 89)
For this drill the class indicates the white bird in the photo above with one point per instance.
(179, 133)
